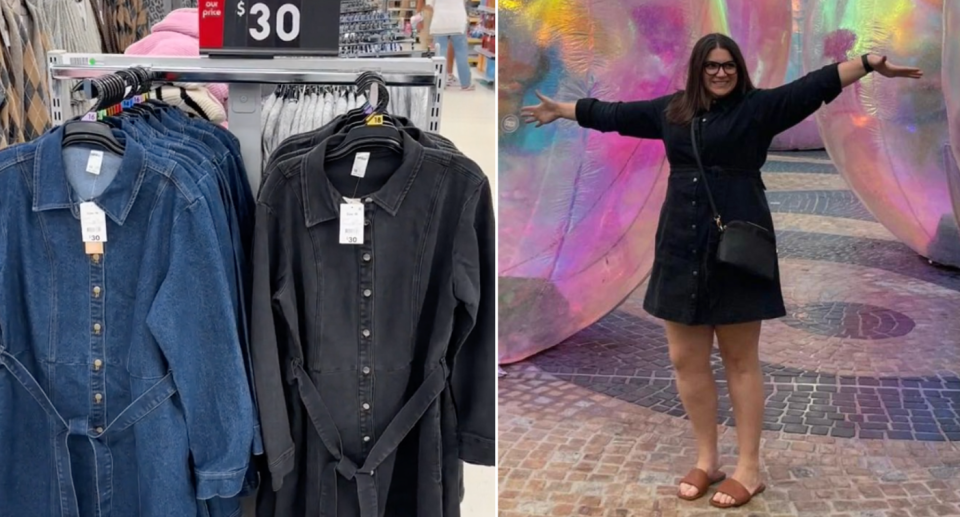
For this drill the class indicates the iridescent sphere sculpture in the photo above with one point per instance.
(950, 80)
(578, 209)
(804, 135)
(888, 137)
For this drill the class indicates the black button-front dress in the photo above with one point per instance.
(687, 285)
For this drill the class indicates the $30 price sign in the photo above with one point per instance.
(270, 27)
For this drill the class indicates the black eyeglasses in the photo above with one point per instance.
(713, 68)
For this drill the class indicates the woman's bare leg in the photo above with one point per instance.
(690, 348)
(740, 350)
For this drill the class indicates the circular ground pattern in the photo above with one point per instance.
(850, 320)
(625, 356)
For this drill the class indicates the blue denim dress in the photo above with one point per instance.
(123, 390)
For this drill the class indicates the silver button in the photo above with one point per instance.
(694, 295)
(97, 291)
(367, 293)
(695, 273)
(693, 226)
(97, 364)
(97, 397)
(366, 222)
(366, 257)
(704, 119)
(366, 438)
(366, 406)
(368, 200)
(99, 430)
(366, 370)
(696, 180)
(365, 332)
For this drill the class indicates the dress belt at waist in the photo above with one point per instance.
(732, 171)
(137, 410)
(401, 425)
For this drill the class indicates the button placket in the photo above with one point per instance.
(366, 310)
(96, 295)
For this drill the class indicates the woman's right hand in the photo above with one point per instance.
(546, 112)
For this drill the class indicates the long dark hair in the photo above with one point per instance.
(684, 106)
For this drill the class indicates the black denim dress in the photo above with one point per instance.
(687, 285)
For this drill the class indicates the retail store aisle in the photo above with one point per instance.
(469, 119)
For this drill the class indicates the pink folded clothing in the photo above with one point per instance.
(178, 35)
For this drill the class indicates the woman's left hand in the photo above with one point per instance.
(880, 65)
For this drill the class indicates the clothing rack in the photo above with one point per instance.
(246, 79)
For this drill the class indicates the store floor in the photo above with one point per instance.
(862, 380)
(469, 119)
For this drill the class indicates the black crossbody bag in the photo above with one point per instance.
(749, 247)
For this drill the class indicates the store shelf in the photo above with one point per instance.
(484, 52)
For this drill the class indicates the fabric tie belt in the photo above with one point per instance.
(683, 171)
(137, 410)
(366, 475)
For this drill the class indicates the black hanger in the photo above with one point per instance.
(357, 117)
(91, 133)
(359, 136)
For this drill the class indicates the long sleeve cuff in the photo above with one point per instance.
(477, 450)
(583, 112)
(280, 467)
(219, 484)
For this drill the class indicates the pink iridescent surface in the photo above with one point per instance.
(888, 137)
(951, 95)
(578, 209)
(804, 135)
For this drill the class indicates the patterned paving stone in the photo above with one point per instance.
(567, 451)
(831, 226)
(891, 256)
(834, 203)
(850, 320)
(800, 162)
(799, 181)
(625, 357)
(862, 384)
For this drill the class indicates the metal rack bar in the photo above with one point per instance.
(246, 79)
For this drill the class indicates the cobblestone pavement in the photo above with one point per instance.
(862, 380)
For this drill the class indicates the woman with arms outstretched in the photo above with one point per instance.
(697, 295)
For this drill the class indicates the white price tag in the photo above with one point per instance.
(95, 162)
(360, 165)
(351, 223)
(93, 222)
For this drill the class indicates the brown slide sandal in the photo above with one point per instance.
(738, 492)
(701, 481)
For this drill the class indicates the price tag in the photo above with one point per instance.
(351, 223)
(269, 27)
(93, 223)
(360, 162)
(95, 162)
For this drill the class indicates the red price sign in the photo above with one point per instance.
(270, 27)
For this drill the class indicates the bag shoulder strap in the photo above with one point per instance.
(703, 173)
